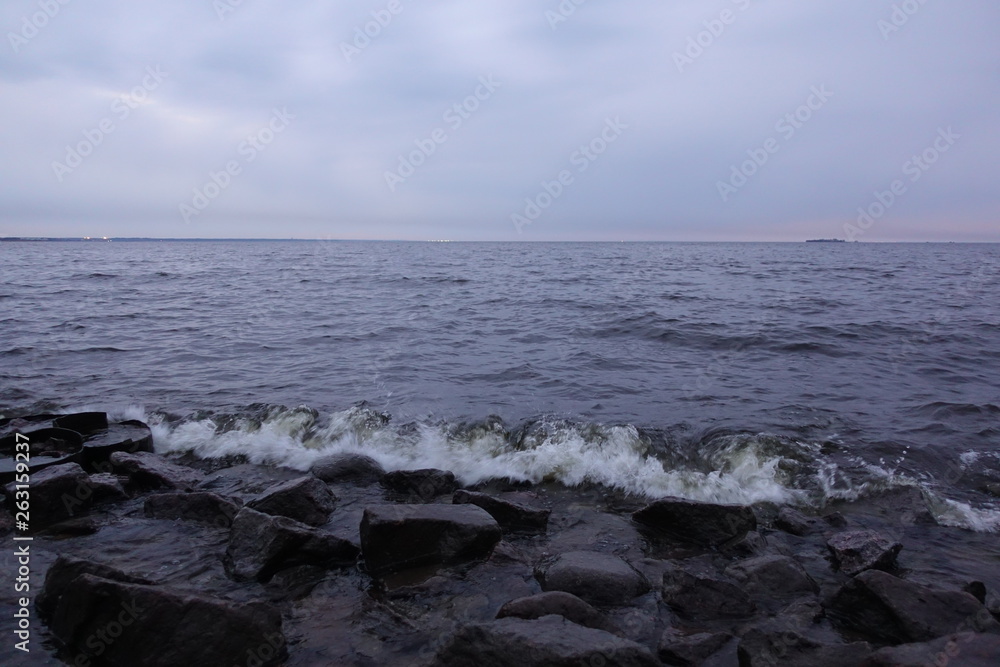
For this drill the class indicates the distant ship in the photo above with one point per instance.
(825, 241)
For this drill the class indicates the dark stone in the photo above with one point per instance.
(676, 648)
(859, 550)
(6, 521)
(420, 485)
(148, 471)
(199, 506)
(57, 493)
(107, 488)
(68, 568)
(992, 488)
(598, 578)
(772, 577)
(77, 527)
(705, 524)
(794, 522)
(835, 519)
(128, 436)
(965, 649)
(547, 642)
(771, 644)
(700, 594)
(400, 537)
(510, 516)
(564, 604)
(802, 613)
(891, 610)
(161, 627)
(261, 544)
(976, 589)
(347, 468)
(84, 423)
(307, 499)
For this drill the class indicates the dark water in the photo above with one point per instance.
(655, 367)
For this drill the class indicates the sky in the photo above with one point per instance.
(507, 120)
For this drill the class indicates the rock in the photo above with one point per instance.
(420, 485)
(772, 577)
(6, 521)
(348, 469)
(771, 644)
(598, 578)
(67, 568)
(400, 537)
(697, 593)
(890, 610)
(794, 522)
(198, 506)
(564, 604)
(676, 648)
(802, 613)
(835, 519)
(107, 488)
(992, 488)
(57, 493)
(307, 499)
(858, 550)
(261, 544)
(966, 649)
(706, 524)
(148, 471)
(976, 589)
(547, 642)
(124, 624)
(510, 516)
(84, 423)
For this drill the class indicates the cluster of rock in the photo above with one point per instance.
(674, 582)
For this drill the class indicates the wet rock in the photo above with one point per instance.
(706, 524)
(420, 485)
(107, 488)
(561, 603)
(261, 544)
(198, 506)
(802, 613)
(347, 469)
(965, 649)
(698, 593)
(976, 589)
(794, 522)
(76, 527)
(835, 519)
(67, 568)
(6, 521)
(992, 488)
(858, 550)
(127, 436)
(891, 610)
(510, 516)
(547, 642)
(598, 578)
(771, 644)
(307, 499)
(57, 493)
(84, 423)
(399, 537)
(148, 471)
(121, 624)
(676, 648)
(903, 504)
(772, 577)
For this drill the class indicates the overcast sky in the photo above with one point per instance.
(502, 119)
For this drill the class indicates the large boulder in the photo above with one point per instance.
(199, 506)
(118, 624)
(400, 537)
(599, 578)
(772, 577)
(57, 493)
(67, 568)
(698, 593)
(705, 524)
(261, 544)
(347, 469)
(420, 485)
(510, 516)
(676, 648)
(965, 649)
(307, 499)
(148, 471)
(548, 642)
(893, 611)
(563, 604)
(855, 551)
(771, 644)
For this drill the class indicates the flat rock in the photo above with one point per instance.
(400, 537)
(706, 524)
(420, 485)
(770, 644)
(855, 551)
(148, 471)
(197, 506)
(676, 648)
(67, 568)
(598, 578)
(966, 649)
(698, 593)
(347, 469)
(124, 624)
(307, 499)
(547, 642)
(561, 603)
(772, 577)
(891, 610)
(57, 493)
(510, 516)
(261, 544)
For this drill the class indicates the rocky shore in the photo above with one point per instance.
(138, 559)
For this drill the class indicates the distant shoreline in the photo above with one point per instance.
(144, 239)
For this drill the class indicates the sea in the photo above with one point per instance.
(786, 373)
